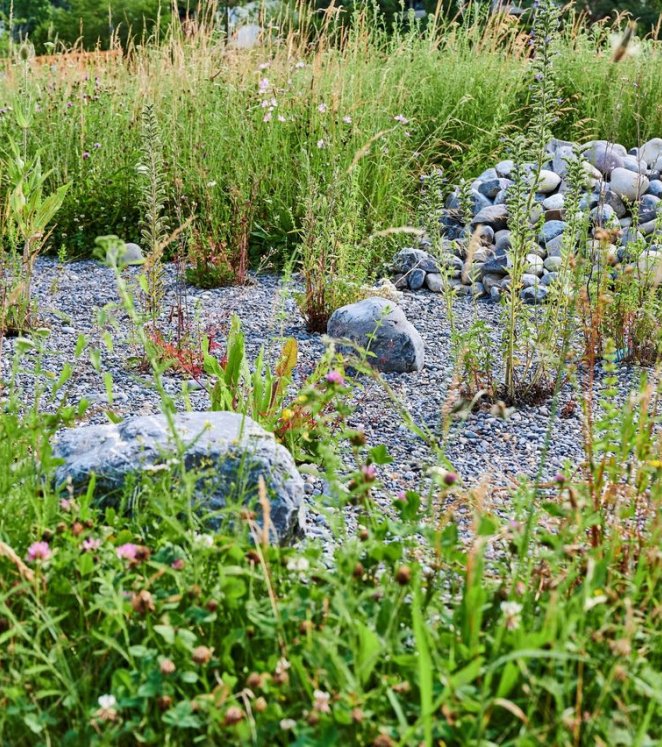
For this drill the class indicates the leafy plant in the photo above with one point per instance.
(29, 211)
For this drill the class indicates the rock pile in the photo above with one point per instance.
(623, 191)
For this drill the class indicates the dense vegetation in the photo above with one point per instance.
(141, 626)
(251, 136)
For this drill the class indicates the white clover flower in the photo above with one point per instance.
(203, 540)
(322, 108)
(267, 117)
(297, 564)
(401, 118)
(281, 118)
(347, 119)
(512, 612)
(107, 701)
(321, 143)
(321, 701)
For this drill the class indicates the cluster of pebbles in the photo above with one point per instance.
(622, 193)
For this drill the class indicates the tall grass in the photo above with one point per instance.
(460, 88)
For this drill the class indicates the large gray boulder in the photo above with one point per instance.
(381, 327)
(231, 452)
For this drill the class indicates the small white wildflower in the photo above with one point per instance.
(282, 665)
(322, 108)
(512, 611)
(407, 133)
(264, 84)
(401, 118)
(211, 185)
(301, 64)
(107, 701)
(287, 724)
(321, 701)
(264, 104)
(263, 65)
(203, 540)
(267, 117)
(321, 143)
(347, 119)
(281, 118)
(297, 564)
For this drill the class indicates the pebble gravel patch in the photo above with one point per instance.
(484, 447)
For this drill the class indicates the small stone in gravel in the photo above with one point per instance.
(433, 281)
(553, 264)
(494, 215)
(534, 295)
(627, 184)
(655, 188)
(548, 181)
(551, 230)
(604, 156)
(416, 279)
(132, 254)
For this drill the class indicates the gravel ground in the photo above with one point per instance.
(482, 448)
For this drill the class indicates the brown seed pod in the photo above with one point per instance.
(233, 716)
(403, 575)
(202, 654)
(254, 681)
(142, 602)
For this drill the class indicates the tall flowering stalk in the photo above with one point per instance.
(528, 152)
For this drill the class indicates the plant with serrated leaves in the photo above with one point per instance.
(528, 150)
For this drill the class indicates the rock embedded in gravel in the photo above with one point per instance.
(416, 279)
(409, 258)
(604, 156)
(534, 295)
(380, 327)
(434, 282)
(553, 264)
(655, 188)
(230, 451)
(551, 230)
(650, 151)
(548, 181)
(132, 254)
(648, 208)
(628, 185)
(495, 216)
